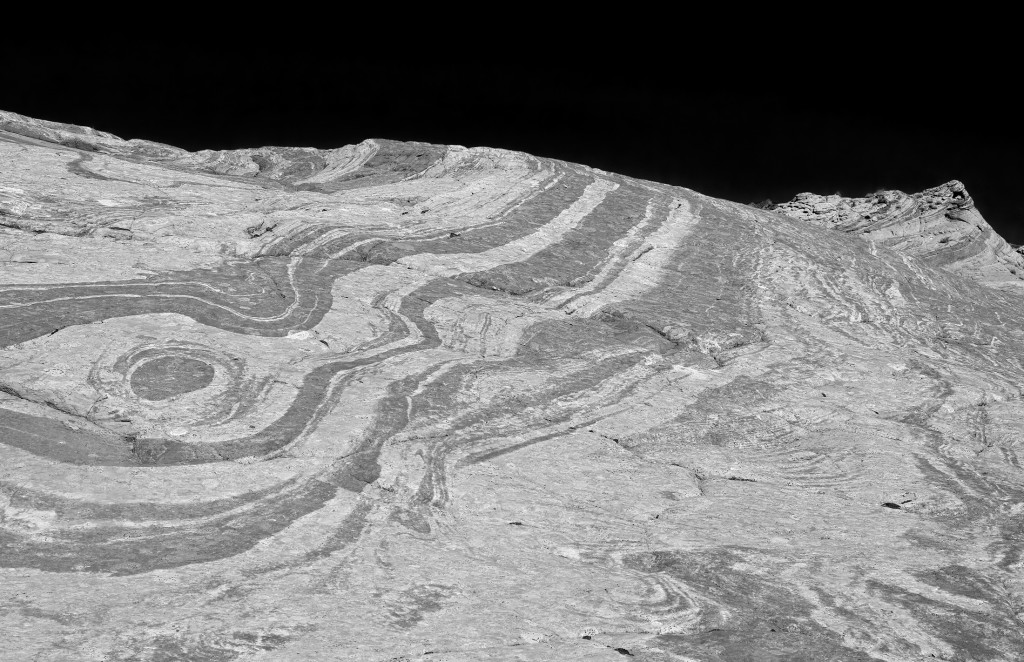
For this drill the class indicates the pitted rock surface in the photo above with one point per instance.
(400, 401)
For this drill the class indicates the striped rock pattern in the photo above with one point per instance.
(400, 401)
(940, 226)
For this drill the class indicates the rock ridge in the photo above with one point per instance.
(939, 226)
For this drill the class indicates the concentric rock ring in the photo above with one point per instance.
(195, 384)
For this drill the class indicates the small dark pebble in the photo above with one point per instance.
(895, 506)
(623, 651)
(587, 637)
(516, 523)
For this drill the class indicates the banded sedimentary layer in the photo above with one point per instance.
(405, 401)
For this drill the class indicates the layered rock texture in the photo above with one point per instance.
(941, 227)
(401, 401)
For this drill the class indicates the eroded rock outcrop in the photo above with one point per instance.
(939, 226)
(407, 401)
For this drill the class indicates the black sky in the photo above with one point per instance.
(769, 127)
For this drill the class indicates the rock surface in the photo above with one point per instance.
(940, 227)
(400, 401)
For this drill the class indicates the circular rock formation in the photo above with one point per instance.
(168, 376)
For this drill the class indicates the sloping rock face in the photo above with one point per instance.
(940, 227)
(401, 401)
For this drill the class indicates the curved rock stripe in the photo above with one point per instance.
(519, 249)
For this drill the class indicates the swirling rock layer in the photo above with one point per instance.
(404, 401)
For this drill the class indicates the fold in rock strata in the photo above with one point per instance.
(364, 403)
